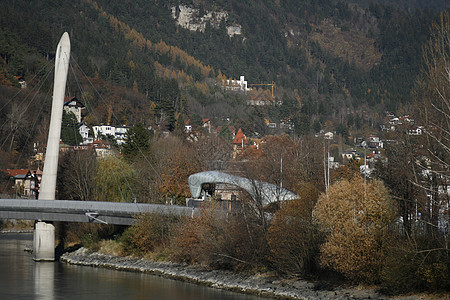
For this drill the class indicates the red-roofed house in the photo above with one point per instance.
(207, 124)
(239, 143)
(25, 182)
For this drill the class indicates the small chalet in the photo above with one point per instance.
(419, 130)
(236, 85)
(73, 105)
(187, 126)
(261, 102)
(118, 132)
(328, 135)
(206, 123)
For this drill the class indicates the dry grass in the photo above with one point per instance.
(110, 247)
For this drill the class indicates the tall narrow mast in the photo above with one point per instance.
(48, 183)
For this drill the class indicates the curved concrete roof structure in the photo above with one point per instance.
(267, 192)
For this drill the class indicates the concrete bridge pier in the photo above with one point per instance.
(44, 241)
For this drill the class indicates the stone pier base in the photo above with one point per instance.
(44, 242)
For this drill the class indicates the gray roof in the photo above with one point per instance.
(267, 192)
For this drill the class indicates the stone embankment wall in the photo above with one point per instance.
(253, 284)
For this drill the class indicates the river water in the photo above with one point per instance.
(22, 278)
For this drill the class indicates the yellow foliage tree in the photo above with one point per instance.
(354, 215)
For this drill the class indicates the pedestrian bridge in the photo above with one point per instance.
(85, 211)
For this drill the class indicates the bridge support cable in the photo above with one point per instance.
(98, 120)
(93, 216)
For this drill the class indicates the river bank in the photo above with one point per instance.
(263, 285)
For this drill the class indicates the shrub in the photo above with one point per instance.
(419, 264)
(219, 240)
(91, 241)
(126, 242)
(87, 234)
(151, 231)
(293, 238)
(185, 239)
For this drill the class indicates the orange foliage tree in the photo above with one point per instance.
(179, 165)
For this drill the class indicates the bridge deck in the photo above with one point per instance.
(84, 211)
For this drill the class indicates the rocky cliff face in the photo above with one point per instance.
(192, 19)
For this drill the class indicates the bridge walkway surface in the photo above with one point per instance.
(117, 213)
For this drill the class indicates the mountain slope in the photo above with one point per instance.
(337, 58)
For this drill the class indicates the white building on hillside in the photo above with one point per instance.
(117, 132)
(84, 132)
(237, 85)
(73, 105)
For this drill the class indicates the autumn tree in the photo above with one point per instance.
(15, 129)
(353, 215)
(212, 152)
(151, 232)
(347, 171)
(419, 175)
(398, 174)
(288, 162)
(178, 163)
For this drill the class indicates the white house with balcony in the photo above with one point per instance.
(118, 133)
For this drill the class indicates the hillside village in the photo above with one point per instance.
(106, 140)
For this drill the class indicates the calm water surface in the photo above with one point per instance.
(22, 278)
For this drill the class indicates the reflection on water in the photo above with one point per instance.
(22, 278)
(44, 278)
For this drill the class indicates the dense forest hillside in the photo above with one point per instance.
(408, 5)
(329, 60)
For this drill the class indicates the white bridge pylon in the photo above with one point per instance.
(44, 234)
(48, 183)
